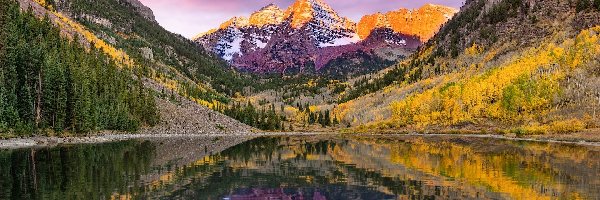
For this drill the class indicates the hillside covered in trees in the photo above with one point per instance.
(168, 58)
(49, 83)
(527, 67)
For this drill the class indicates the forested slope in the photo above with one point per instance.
(524, 66)
(170, 59)
(49, 83)
(59, 77)
(149, 43)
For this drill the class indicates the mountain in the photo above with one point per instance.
(508, 66)
(423, 22)
(308, 36)
(141, 9)
(305, 18)
(107, 65)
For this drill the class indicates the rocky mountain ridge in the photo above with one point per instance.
(143, 10)
(423, 22)
(304, 38)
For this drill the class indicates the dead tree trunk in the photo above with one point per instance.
(38, 103)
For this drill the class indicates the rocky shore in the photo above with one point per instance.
(43, 141)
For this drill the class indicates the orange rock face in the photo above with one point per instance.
(301, 11)
(369, 23)
(423, 22)
(269, 15)
(236, 21)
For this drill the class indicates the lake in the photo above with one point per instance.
(304, 167)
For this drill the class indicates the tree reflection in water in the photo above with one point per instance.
(327, 167)
(74, 171)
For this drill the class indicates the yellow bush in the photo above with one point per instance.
(567, 126)
(562, 127)
(533, 130)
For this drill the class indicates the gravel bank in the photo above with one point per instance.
(54, 141)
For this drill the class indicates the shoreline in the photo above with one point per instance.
(536, 138)
(43, 141)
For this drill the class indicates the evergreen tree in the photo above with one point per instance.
(597, 4)
(583, 5)
(311, 118)
(335, 120)
(320, 119)
(327, 119)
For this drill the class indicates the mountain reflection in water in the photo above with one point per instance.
(307, 167)
(261, 194)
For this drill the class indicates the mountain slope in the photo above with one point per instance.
(305, 38)
(496, 65)
(130, 26)
(177, 94)
(50, 85)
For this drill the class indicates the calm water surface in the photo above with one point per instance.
(316, 167)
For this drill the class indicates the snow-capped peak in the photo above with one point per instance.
(268, 15)
(321, 22)
(304, 11)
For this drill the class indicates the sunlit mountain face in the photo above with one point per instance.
(309, 34)
(423, 22)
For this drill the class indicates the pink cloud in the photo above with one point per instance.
(190, 17)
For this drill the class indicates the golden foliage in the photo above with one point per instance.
(474, 50)
(520, 90)
(564, 126)
(313, 108)
(117, 55)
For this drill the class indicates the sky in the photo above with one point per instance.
(191, 17)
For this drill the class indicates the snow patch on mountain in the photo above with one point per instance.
(396, 42)
(261, 44)
(228, 47)
(341, 41)
(319, 19)
(235, 48)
